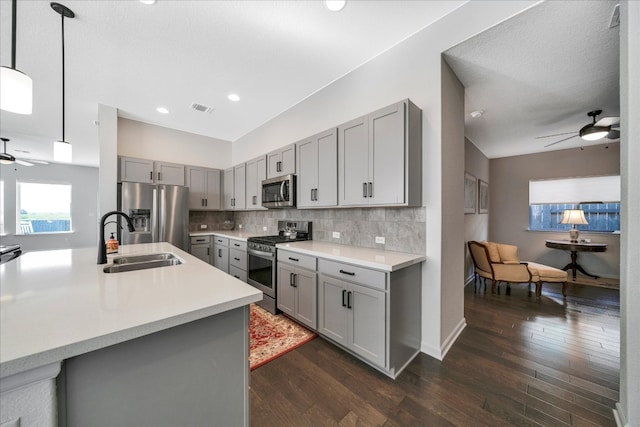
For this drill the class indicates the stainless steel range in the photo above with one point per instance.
(261, 271)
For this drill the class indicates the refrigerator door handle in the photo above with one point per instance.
(154, 216)
(162, 215)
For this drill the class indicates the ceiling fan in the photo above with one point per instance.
(593, 131)
(7, 159)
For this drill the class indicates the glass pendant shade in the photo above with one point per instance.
(62, 152)
(16, 91)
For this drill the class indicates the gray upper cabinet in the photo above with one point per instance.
(256, 172)
(234, 182)
(282, 161)
(317, 166)
(380, 158)
(204, 188)
(149, 172)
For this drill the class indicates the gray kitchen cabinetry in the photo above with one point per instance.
(256, 172)
(297, 287)
(221, 253)
(380, 158)
(317, 166)
(201, 248)
(373, 314)
(282, 161)
(234, 188)
(147, 171)
(204, 188)
(238, 259)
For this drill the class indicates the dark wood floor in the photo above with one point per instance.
(520, 361)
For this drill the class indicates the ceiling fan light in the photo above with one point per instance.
(593, 133)
(16, 95)
(62, 152)
(7, 159)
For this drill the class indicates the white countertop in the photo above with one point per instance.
(59, 304)
(231, 234)
(366, 257)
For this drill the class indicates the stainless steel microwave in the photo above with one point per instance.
(279, 192)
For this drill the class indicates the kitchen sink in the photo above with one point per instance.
(142, 262)
(144, 258)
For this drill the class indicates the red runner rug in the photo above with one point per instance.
(273, 335)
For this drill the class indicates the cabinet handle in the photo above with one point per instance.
(233, 202)
(208, 253)
(151, 175)
(349, 300)
(278, 166)
(206, 202)
(254, 200)
(294, 259)
(312, 199)
(315, 195)
(371, 189)
(219, 253)
(237, 277)
(236, 244)
(201, 240)
(237, 259)
(364, 189)
(159, 177)
(350, 273)
(292, 279)
(344, 292)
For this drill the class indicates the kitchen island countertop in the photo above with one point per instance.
(58, 304)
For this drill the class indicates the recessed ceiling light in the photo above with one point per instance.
(233, 97)
(476, 114)
(335, 5)
(148, 1)
(162, 110)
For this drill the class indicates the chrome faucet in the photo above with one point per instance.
(102, 249)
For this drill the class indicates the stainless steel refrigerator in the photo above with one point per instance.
(160, 213)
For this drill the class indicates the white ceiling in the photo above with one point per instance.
(539, 73)
(174, 53)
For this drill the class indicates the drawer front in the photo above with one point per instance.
(220, 240)
(364, 276)
(238, 273)
(238, 244)
(238, 258)
(293, 258)
(200, 239)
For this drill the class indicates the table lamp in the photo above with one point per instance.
(573, 217)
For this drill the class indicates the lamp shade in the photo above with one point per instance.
(62, 152)
(574, 217)
(16, 91)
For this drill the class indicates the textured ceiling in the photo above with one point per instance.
(136, 58)
(539, 73)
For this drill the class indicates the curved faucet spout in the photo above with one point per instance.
(102, 250)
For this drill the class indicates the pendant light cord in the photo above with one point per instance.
(63, 79)
(14, 30)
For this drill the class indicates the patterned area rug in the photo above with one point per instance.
(273, 335)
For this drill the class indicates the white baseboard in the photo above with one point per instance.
(618, 414)
(441, 352)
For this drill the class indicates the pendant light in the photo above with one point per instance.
(62, 148)
(6, 158)
(16, 95)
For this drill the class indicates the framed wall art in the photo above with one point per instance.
(470, 194)
(483, 197)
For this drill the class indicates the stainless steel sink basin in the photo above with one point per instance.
(142, 262)
(144, 258)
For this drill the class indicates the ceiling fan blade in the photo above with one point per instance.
(608, 121)
(39, 162)
(557, 142)
(23, 163)
(613, 134)
(555, 134)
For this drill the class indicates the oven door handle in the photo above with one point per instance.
(260, 254)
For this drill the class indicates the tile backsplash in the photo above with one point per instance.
(402, 228)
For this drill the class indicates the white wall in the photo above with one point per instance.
(412, 70)
(84, 204)
(628, 410)
(138, 139)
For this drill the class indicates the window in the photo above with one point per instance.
(598, 197)
(43, 208)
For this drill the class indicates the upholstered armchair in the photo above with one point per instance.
(500, 263)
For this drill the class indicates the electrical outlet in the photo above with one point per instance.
(380, 239)
(336, 234)
(264, 228)
(203, 226)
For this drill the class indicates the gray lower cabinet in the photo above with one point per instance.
(373, 314)
(221, 253)
(297, 287)
(201, 248)
(238, 259)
